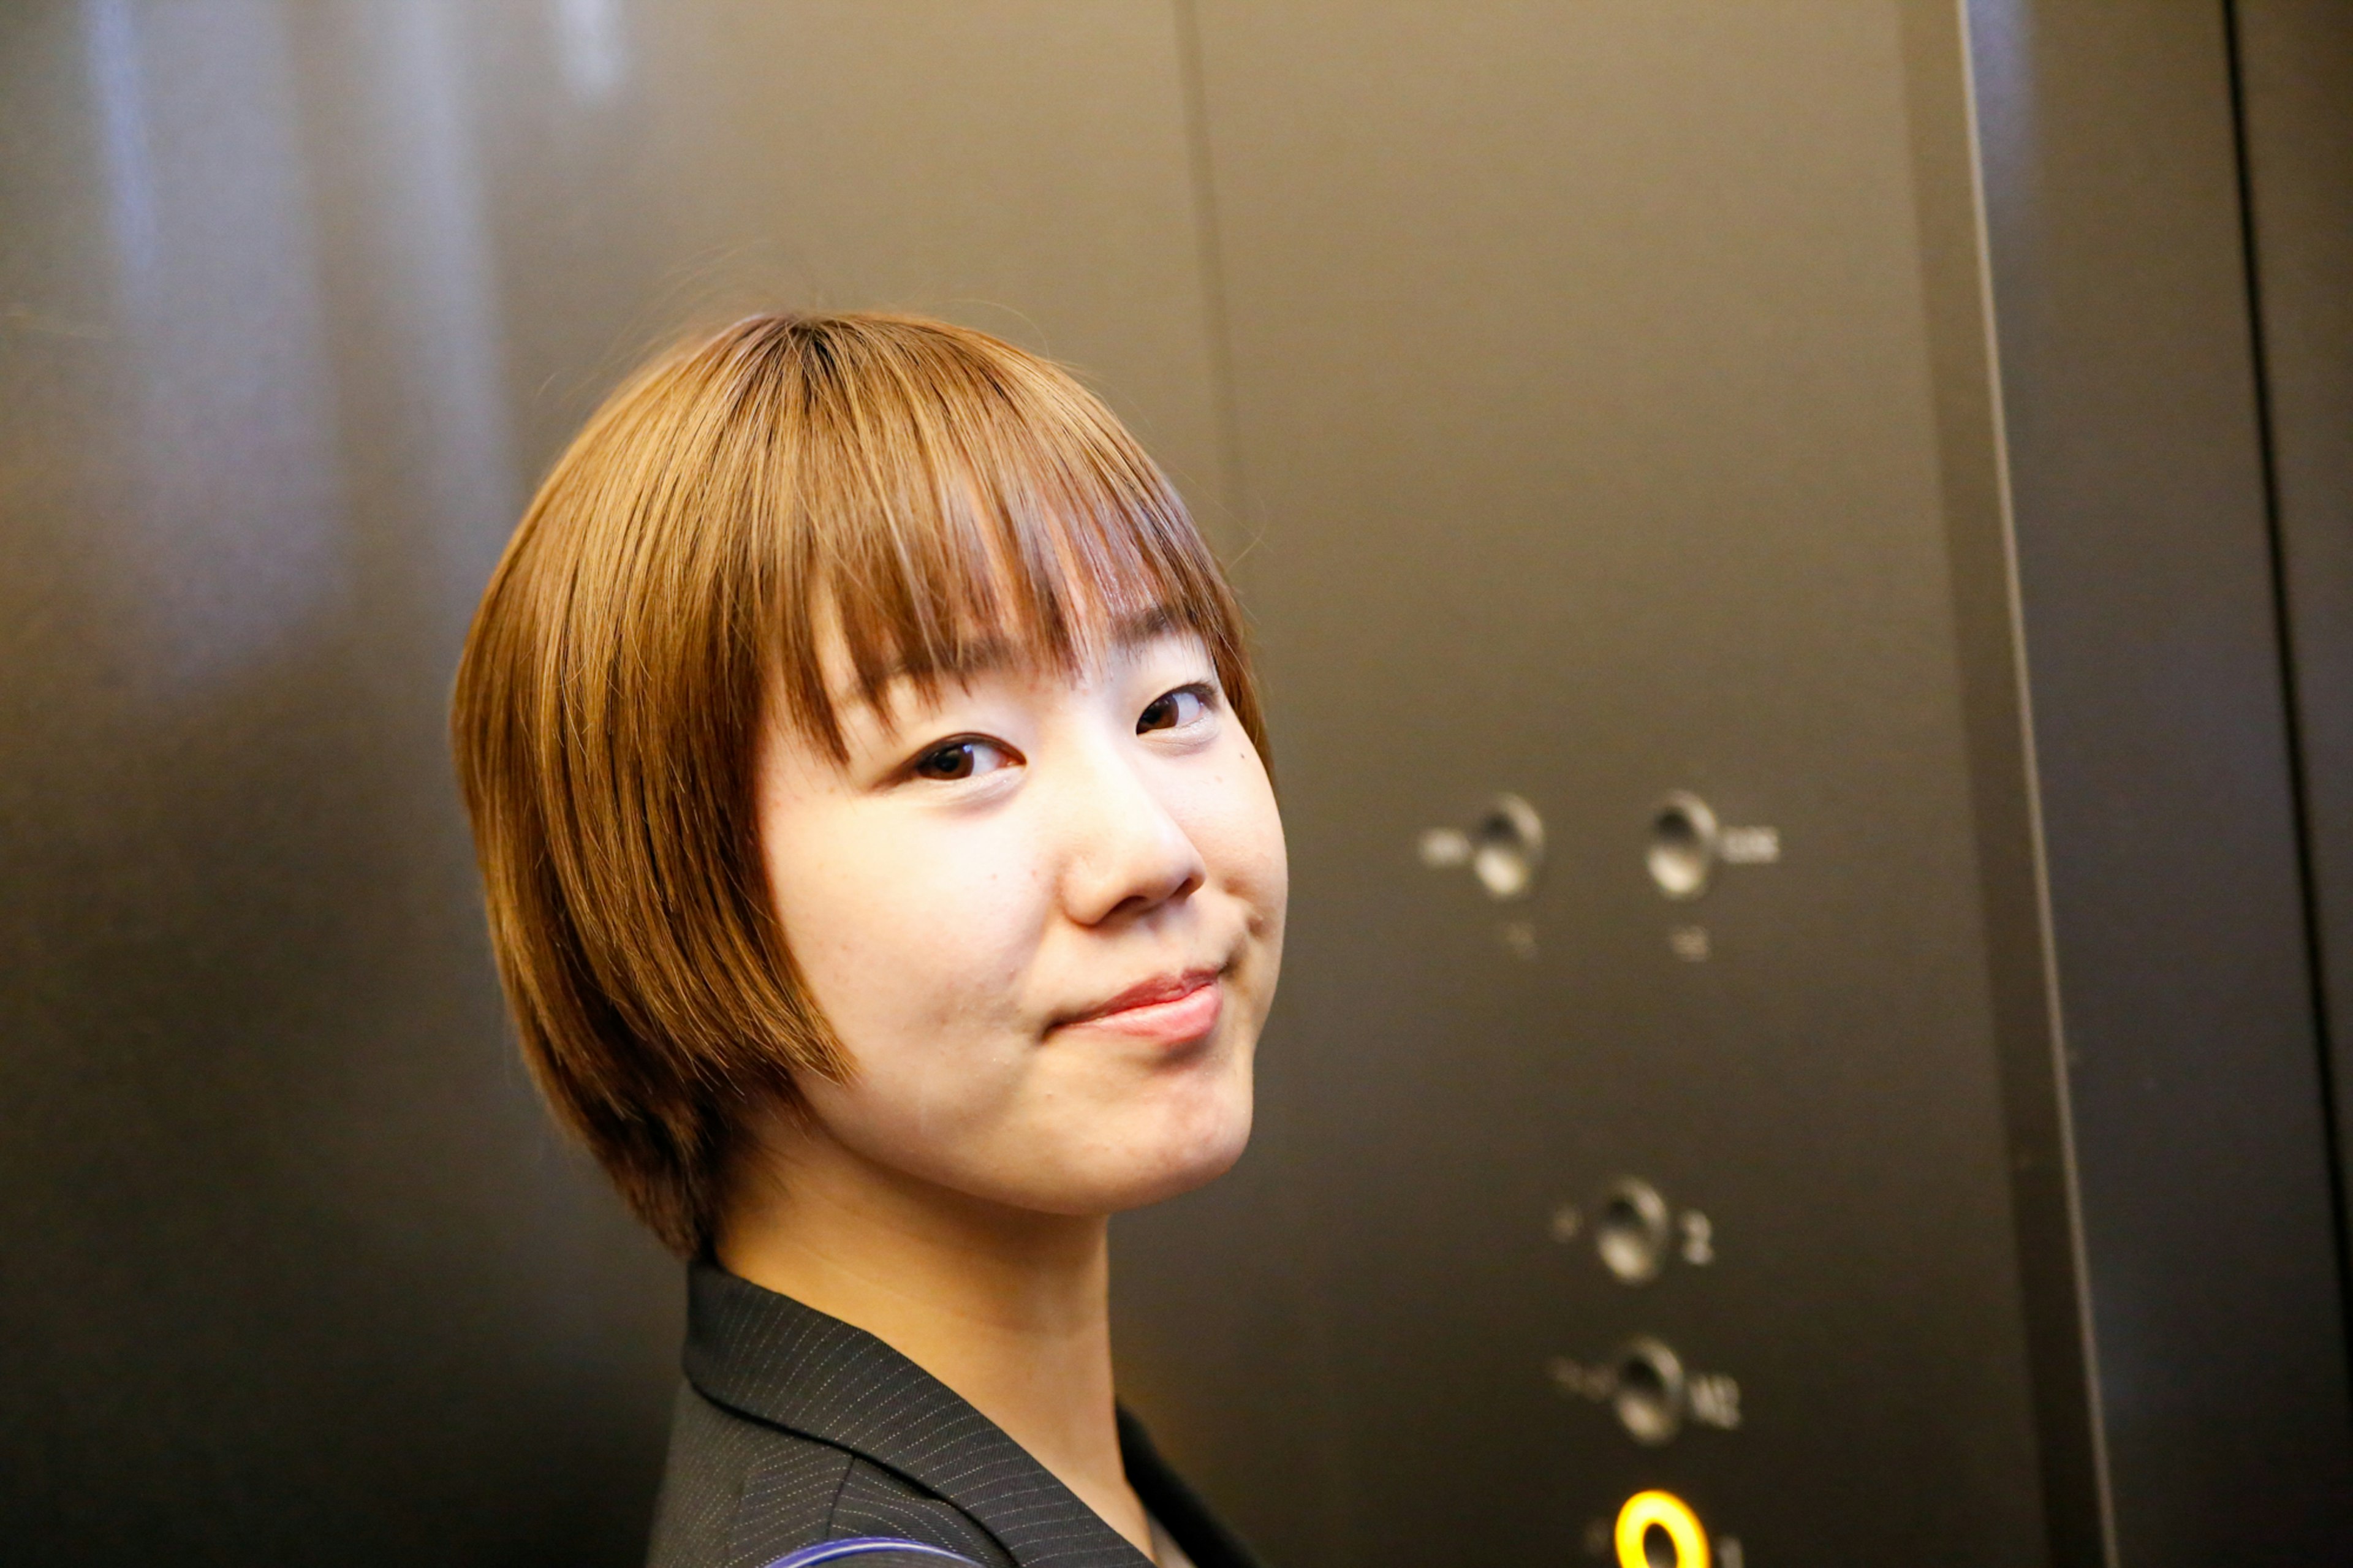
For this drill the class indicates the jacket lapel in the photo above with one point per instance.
(769, 1357)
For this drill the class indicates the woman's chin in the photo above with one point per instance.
(1147, 1167)
(1200, 1165)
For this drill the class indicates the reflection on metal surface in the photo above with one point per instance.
(232, 467)
(592, 46)
(112, 45)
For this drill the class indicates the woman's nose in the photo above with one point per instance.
(1124, 853)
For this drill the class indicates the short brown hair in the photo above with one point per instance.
(912, 486)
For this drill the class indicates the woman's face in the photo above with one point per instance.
(1044, 915)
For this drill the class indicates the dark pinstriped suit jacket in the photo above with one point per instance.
(794, 1427)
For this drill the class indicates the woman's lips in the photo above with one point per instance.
(1170, 1010)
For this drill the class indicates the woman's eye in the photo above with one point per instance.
(1174, 711)
(962, 758)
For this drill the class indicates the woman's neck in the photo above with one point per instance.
(1008, 1308)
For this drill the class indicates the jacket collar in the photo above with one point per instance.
(769, 1357)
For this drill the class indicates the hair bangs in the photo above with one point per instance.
(976, 506)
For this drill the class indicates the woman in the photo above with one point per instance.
(867, 778)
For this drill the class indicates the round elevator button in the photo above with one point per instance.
(1657, 1529)
(1631, 1231)
(1647, 1392)
(1683, 835)
(1507, 847)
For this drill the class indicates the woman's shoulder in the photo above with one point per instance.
(740, 1493)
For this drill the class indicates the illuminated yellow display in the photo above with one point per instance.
(1664, 1511)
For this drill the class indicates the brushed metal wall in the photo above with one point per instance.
(298, 301)
(1600, 401)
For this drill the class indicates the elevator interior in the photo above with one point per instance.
(1801, 558)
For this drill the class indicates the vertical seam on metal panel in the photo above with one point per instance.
(2283, 623)
(2087, 1328)
(1209, 239)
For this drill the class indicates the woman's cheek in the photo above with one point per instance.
(957, 921)
(843, 891)
(1245, 835)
